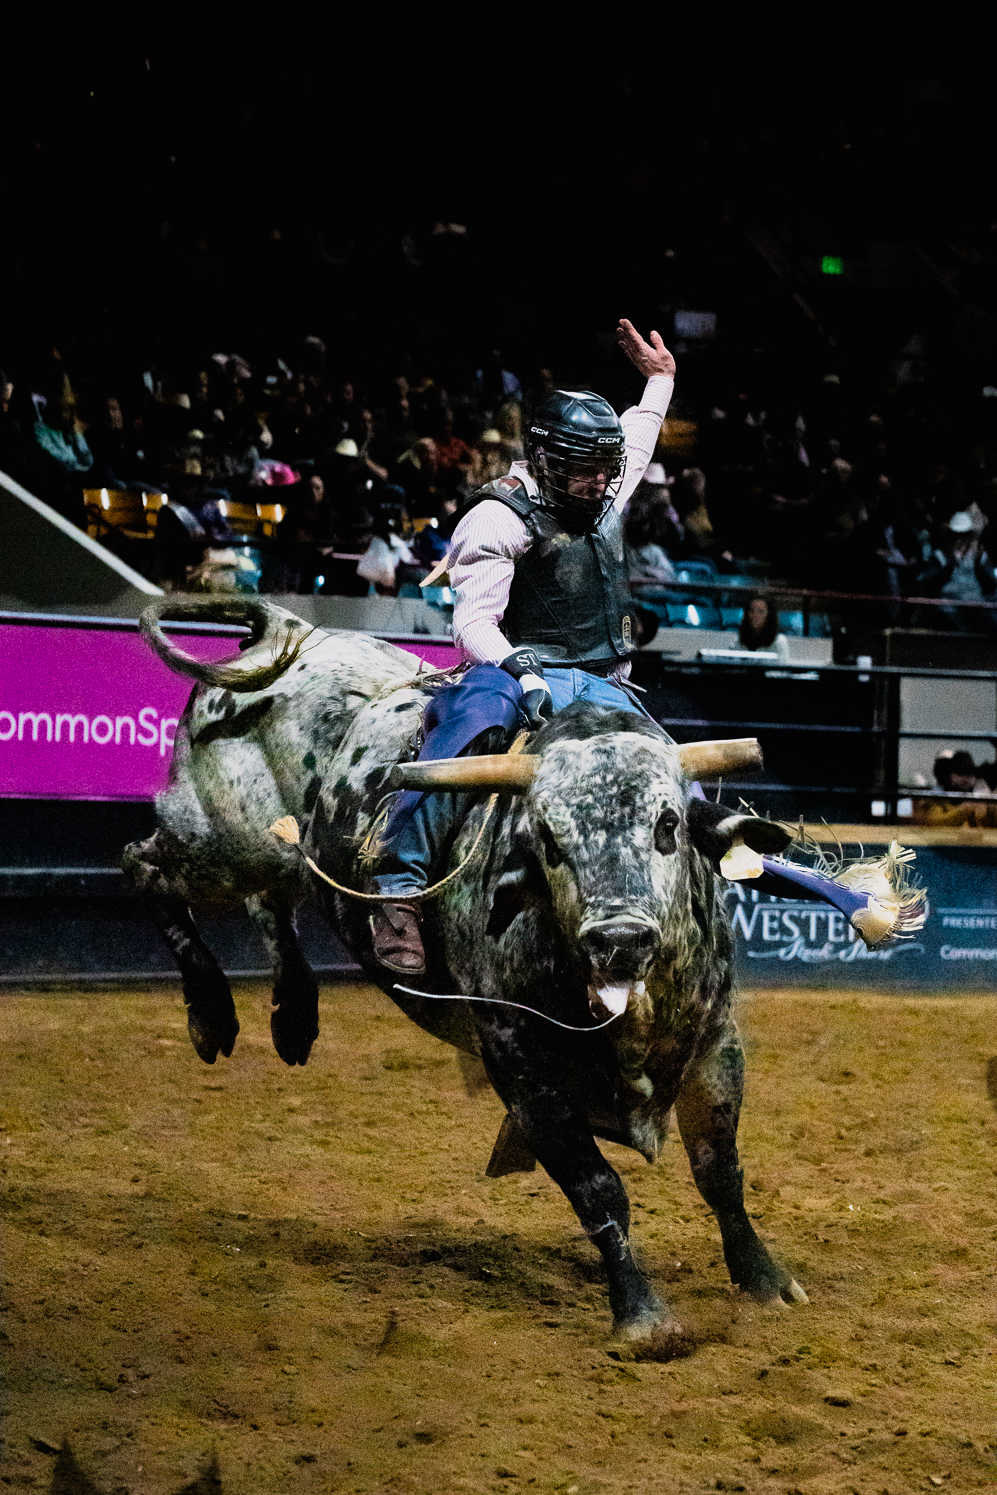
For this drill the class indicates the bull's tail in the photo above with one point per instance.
(277, 639)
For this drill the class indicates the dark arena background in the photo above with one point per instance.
(273, 307)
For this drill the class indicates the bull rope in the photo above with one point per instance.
(436, 996)
(287, 829)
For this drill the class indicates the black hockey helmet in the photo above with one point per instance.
(572, 438)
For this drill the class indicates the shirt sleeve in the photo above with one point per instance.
(641, 424)
(483, 553)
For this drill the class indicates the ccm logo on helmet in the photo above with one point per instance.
(540, 430)
(602, 439)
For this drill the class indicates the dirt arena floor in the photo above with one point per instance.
(305, 1276)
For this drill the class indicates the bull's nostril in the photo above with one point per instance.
(627, 936)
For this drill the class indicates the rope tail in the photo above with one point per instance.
(897, 909)
(286, 828)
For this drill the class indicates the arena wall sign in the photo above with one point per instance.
(87, 711)
(783, 942)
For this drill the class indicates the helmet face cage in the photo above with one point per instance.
(571, 438)
(555, 470)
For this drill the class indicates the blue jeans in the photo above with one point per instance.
(578, 685)
(420, 825)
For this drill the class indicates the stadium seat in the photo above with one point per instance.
(243, 519)
(791, 623)
(688, 610)
(677, 438)
(270, 516)
(110, 509)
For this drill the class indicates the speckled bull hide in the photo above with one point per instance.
(593, 891)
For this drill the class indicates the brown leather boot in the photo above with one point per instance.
(397, 941)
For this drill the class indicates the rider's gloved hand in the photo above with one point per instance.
(537, 704)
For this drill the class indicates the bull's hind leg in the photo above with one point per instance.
(294, 1020)
(211, 1020)
(708, 1106)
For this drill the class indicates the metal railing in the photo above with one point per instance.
(884, 730)
(809, 600)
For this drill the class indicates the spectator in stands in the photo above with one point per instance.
(392, 432)
(509, 424)
(760, 627)
(488, 460)
(647, 522)
(388, 562)
(19, 456)
(654, 493)
(495, 385)
(454, 457)
(115, 463)
(417, 473)
(689, 501)
(884, 558)
(962, 570)
(295, 558)
(58, 430)
(957, 773)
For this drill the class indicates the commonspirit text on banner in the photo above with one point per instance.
(147, 729)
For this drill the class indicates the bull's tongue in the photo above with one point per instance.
(615, 998)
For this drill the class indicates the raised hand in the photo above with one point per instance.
(650, 358)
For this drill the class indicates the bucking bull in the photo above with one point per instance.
(587, 892)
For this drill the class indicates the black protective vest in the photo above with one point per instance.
(570, 597)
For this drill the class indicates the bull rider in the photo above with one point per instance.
(539, 552)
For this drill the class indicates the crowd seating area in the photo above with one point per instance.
(293, 473)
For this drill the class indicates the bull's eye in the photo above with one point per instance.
(664, 832)
(552, 852)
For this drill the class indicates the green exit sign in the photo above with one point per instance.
(832, 264)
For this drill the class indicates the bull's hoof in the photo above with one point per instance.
(294, 1020)
(661, 1339)
(211, 1038)
(211, 1021)
(786, 1290)
(768, 1283)
(652, 1324)
(293, 1033)
(757, 1274)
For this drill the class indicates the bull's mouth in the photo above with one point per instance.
(621, 950)
(608, 1000)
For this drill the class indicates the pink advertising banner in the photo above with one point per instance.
(90, 712)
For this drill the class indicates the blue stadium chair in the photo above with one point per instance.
(791, 623)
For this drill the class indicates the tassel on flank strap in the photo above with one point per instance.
(874, 893)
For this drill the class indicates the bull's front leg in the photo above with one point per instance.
(557, 1129)
(294, 1020)
(708, 1107)
(211, 1020)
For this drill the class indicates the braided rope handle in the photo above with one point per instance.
(287, 829)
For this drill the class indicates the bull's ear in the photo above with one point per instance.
(520, 884)
(714, 829)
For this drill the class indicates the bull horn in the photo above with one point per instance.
(507, 773)
(712, 760)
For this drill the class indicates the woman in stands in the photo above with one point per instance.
(760, 627)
